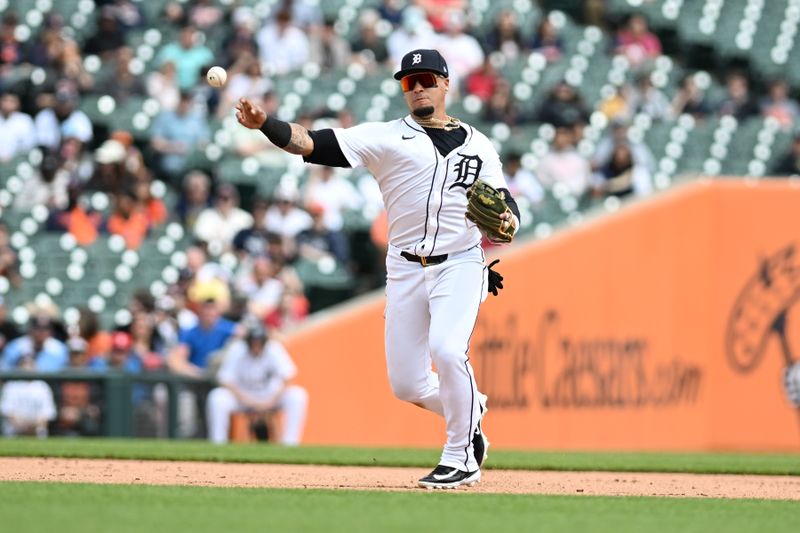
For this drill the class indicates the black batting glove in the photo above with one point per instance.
(495, 279)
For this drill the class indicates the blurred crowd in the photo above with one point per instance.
(154, 180)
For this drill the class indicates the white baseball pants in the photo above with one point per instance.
(221, 402)
(430, 314)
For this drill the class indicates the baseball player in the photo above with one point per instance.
(254, 377)
(425, 164)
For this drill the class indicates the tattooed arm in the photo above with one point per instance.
(320, 146)
(300, 142)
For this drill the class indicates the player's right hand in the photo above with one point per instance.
(250, 115)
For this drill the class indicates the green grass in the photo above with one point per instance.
(64, 508)
(725, 463)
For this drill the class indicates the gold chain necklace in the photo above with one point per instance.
(448, 124)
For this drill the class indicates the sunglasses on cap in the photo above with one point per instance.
(426, 79)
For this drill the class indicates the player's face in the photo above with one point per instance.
(256, 347)
(424, 89)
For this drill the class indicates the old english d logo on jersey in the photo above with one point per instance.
(467, 170)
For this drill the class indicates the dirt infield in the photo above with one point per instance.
(398, 479)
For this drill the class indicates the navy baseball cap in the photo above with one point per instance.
(422, 60)
(256, 331)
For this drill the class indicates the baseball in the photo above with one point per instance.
(216, 76)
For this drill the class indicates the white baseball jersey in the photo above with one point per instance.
(260, 376)
(424, 193)
(27, 400)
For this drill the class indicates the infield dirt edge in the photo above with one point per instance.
(215, 474)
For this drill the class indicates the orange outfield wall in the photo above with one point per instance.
(664, 326)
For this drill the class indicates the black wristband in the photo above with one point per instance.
(277, 131)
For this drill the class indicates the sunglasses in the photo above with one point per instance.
(426, 79)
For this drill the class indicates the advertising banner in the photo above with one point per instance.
(670, 325)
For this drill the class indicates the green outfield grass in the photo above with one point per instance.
(64, 508)
(726, 463)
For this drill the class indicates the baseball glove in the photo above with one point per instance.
(485, 204)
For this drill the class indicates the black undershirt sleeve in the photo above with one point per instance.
(512, 204)
(326, 150)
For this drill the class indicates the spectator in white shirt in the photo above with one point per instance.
(282, 46)
(284, 217)
(462, 51)
(564, 165)
(333, 193)
(162, 85)
(521, 181)
(62, 120)
(218, 225)
(244, 79)
(47, 187)
(415, 32)
(17, 133)
(262, 287)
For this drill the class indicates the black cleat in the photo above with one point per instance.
(447, 477)
(480, 444)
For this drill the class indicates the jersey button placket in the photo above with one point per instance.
(433, 212)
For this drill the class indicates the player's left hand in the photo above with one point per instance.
(495, 279)
(511, 219)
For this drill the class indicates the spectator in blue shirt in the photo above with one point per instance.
(197, 345)
(48, 353)
(176, 134)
